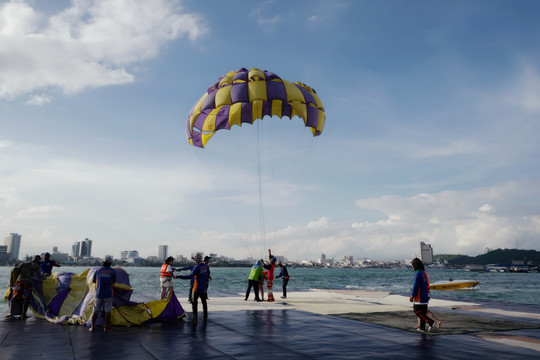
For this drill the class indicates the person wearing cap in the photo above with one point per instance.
(47, 264)
(22, 291)
(199, 274)
(104, 278)
(166, 276)
(270, 275)
(285, 275)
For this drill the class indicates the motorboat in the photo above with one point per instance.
(453, 284)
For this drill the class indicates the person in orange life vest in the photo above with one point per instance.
(420, 295)
(166, 276)
(270, 275)
(200, 275)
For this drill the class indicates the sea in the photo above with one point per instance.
(515, 290)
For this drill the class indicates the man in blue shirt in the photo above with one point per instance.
(200, 275)
(420, 295)
(104, 278)
(47, 264)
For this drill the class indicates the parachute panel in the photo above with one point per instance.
(223, 96)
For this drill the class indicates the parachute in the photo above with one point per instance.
(68, 298)
(244, 96)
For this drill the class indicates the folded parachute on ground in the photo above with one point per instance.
(68, 298)
(244, 96)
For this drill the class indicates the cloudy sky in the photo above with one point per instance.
(432, 127)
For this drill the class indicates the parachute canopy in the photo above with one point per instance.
(68, 298)
(244, 96)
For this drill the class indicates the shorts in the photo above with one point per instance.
(105, 303)
(23, 290)
(166, 282)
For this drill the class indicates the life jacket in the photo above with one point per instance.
(164, 272)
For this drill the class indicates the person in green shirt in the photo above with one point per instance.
(253, 281)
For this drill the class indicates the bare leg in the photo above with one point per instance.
(437, 321)
(261, 290)
(94, 318)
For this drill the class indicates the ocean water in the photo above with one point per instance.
(510, 288)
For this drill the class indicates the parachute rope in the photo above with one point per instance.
(261, 207)
(246, 97)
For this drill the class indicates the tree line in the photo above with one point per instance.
(498, 256)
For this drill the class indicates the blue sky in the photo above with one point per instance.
(432, 123)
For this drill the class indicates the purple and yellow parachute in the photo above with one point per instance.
(244, 96)
(68, 298)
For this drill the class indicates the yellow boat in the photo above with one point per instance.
(453, 284)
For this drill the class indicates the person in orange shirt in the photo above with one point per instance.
(166, 276)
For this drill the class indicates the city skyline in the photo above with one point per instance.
(425, 251)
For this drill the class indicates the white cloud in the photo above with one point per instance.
(525, 92)
(5, 144)
(39, 212)
(90, 44)
(39, 100)
(452, 221)
(321, 223)
(486, 208)
(269, 21)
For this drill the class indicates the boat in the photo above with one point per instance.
(453, 284)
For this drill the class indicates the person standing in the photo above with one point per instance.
(420, 295)
(104, 278)
(261, 281)
(253, 280)
(270, 276)
(22, 291)
(199, 274)
(284, 274)
(429, 313)
(47, 264)
(165, 278)
(207, 261)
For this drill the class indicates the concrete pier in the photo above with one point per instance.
(308, 325)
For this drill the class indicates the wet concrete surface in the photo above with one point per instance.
(257, 334)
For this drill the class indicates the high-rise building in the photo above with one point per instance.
(162, 253)
(426, 253)
(76, 250)
(13, 242)
(86, 248)
(3, 254)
